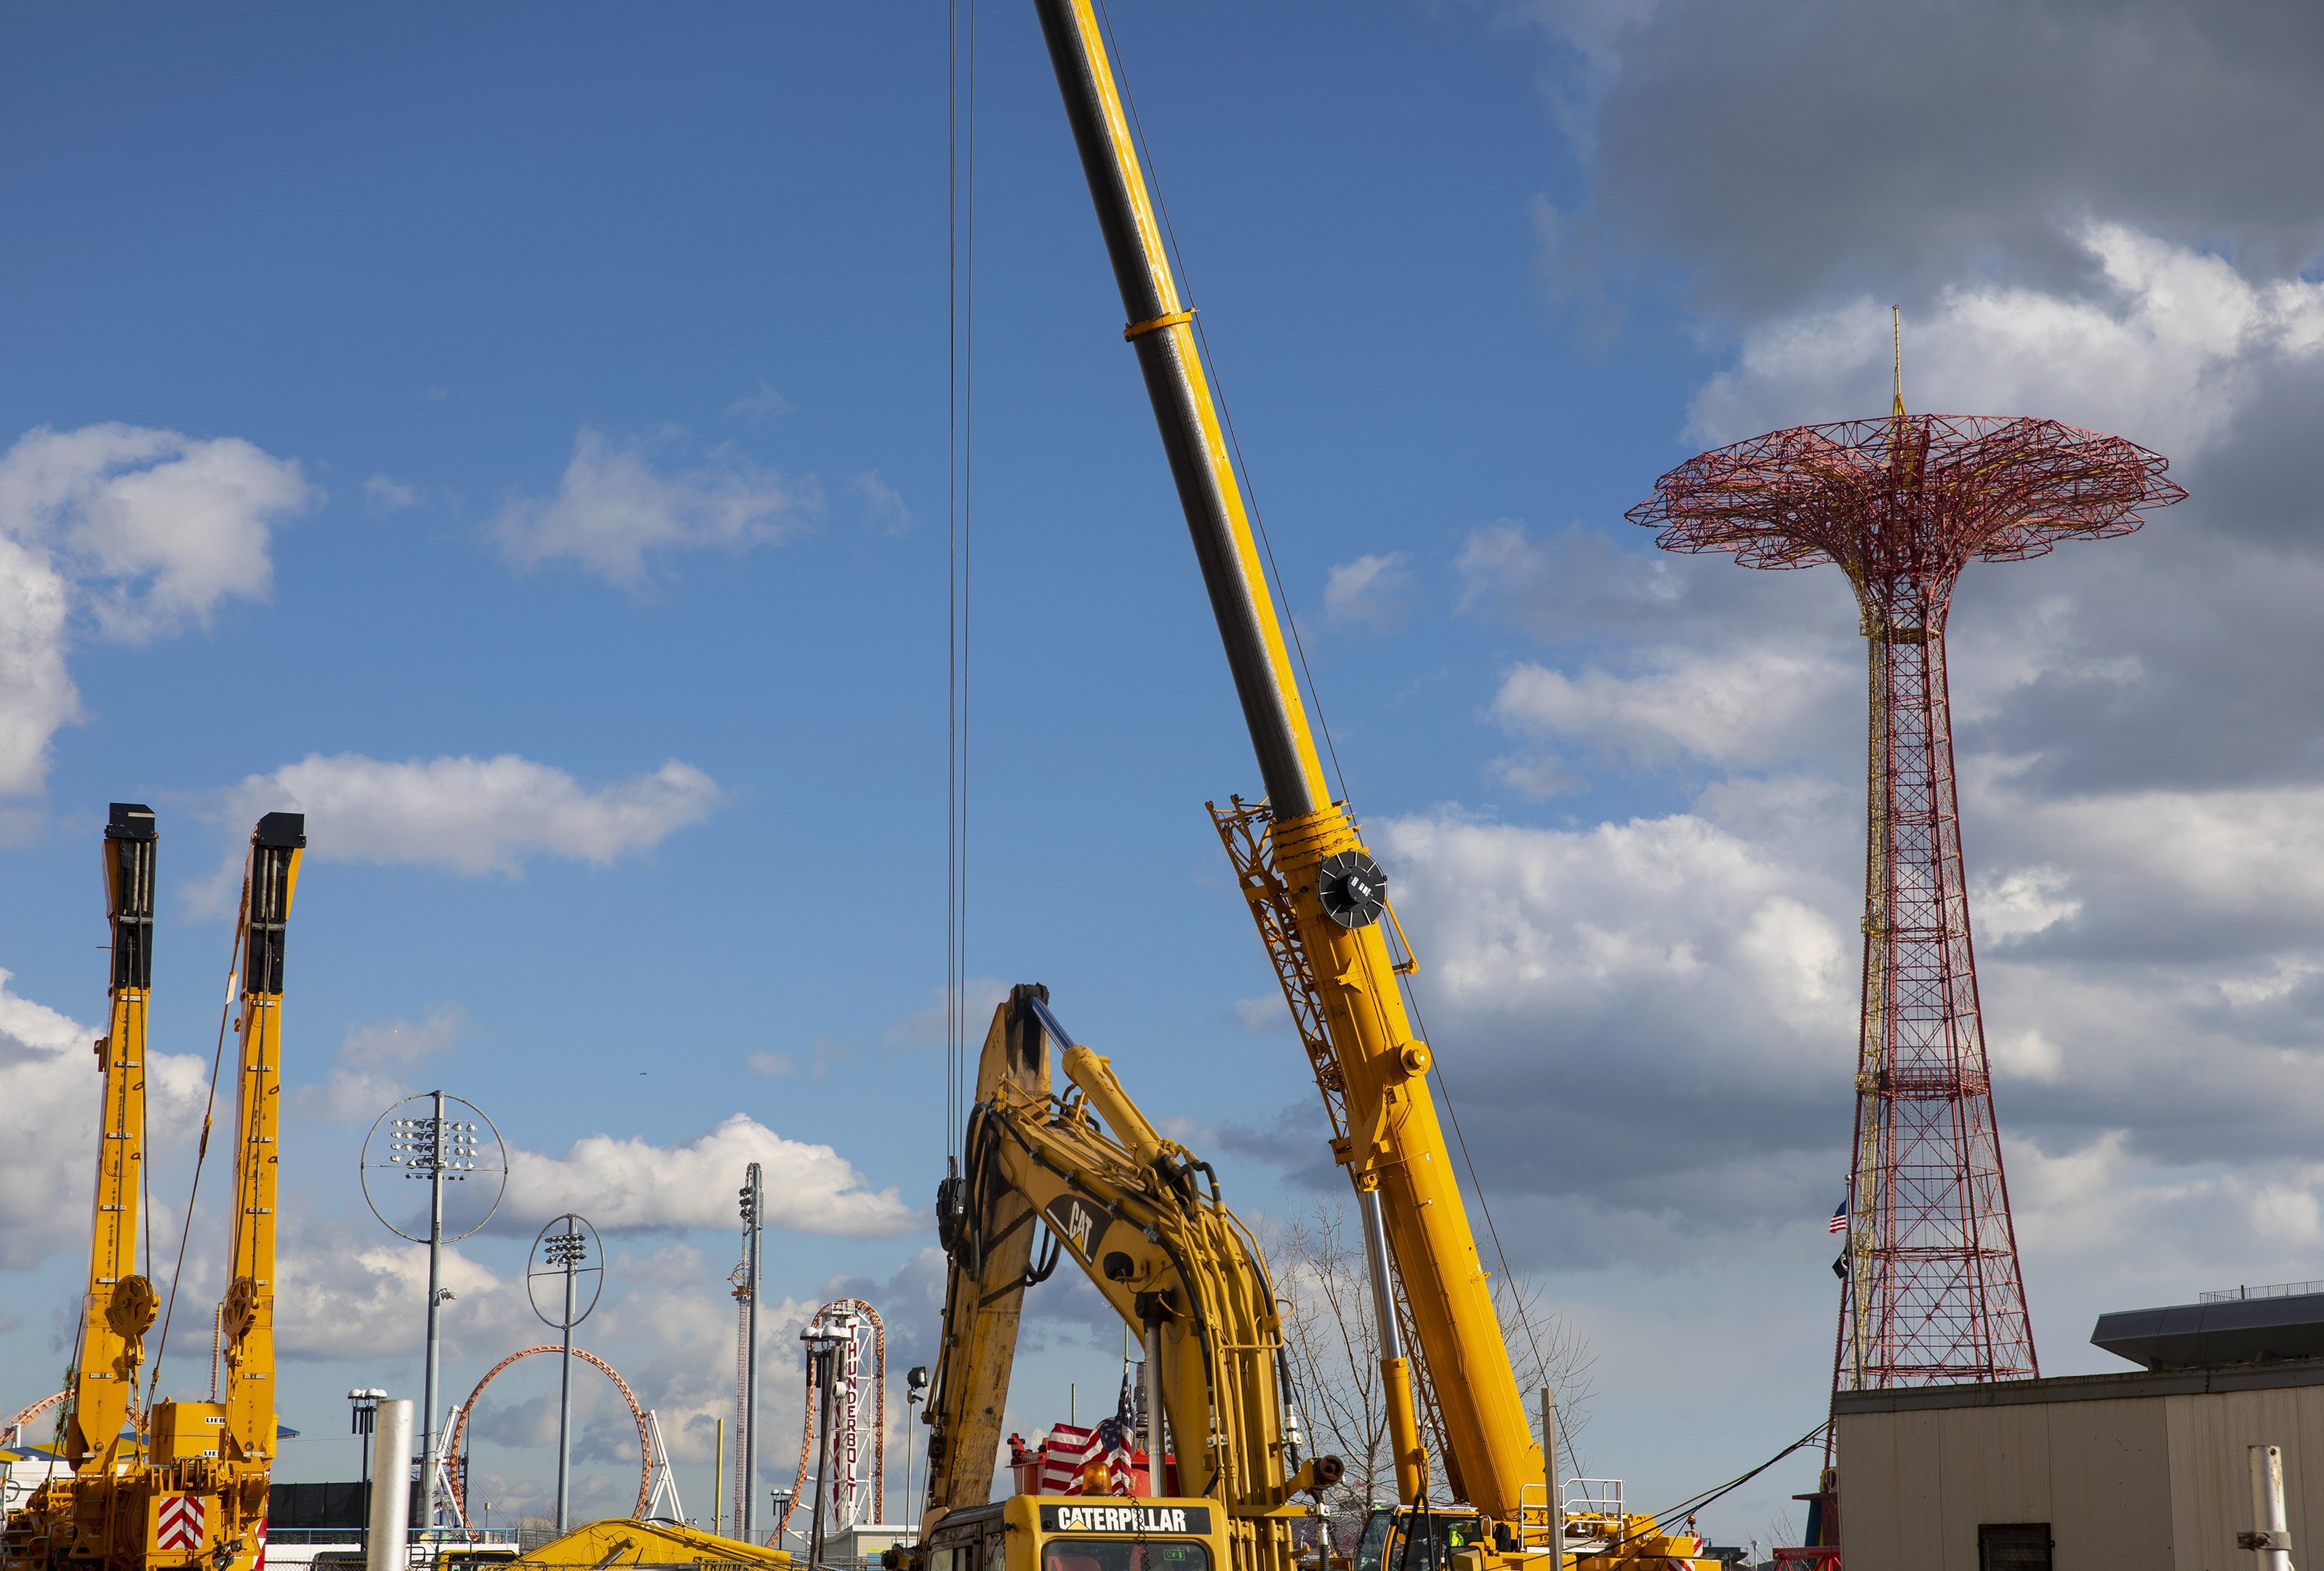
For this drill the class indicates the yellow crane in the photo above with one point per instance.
(1143, 1218)
(180, 1484)
(1319, 898)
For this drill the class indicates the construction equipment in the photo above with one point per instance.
(1142, 1216)
(1320, 899)
(182, 1483)
(624, 1544)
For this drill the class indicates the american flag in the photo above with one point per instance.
(1839, 1222)
(1068, 1449)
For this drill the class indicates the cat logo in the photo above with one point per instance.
(1080, 1224)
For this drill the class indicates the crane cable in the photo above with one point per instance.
(960, 379)
(202, 1149)
(1315, 696)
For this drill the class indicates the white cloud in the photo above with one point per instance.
(883, 505)
(386, 494)
(363, 1081)
(48, 1124)
(36, 691)
(472, 815)
(1752, 706)
(340, 1298)
(1372, 591)
(156, 527)
(774, 1066)
(1267, 1014)
(612, 511)
(2166, 353)
(2021, 902)
(925, 1027)
(627, 1185)
(144, 531)
(764, 404)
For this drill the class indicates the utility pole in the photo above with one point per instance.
(717, 1478)
(752, 1211)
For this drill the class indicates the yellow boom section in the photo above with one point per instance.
(120, 1306)
(247, 1316)
(1373, 1070)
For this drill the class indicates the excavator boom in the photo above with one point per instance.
(1143, 1218)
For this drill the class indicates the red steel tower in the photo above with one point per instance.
(1931, 1288)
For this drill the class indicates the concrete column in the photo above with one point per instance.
(388, 1544)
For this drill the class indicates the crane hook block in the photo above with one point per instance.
(1353, 888)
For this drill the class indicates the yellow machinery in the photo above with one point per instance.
(182, 1483)
(1319, 899)
(620, 1543)
(1142, 1217)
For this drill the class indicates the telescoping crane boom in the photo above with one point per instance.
(182, 1484)
(1142, 1216)
(1318, 897)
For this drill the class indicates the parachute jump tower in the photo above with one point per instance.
(1931, 1290)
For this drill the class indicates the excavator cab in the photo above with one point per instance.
(1030, 1532)
(1407, 1538)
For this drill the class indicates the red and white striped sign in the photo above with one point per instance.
(179, 1520)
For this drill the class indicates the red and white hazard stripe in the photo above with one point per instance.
(179, 1520)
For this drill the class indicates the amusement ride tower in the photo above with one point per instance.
(1931, 1290)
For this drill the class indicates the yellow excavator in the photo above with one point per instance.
(1319, 899)
(1143, 1218)
(180, 1484)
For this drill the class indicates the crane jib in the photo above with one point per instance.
(1196, 449)
(1315, 894)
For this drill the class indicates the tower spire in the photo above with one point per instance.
(1896, 340)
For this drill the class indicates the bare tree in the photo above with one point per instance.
(1331, 1334)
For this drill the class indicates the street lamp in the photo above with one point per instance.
(822, 1370)
(436, 1150)
(563, 1252)
(364, 1404)
(915, 1390)
(753, 1206)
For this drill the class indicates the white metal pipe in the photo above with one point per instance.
(387, 1545)
(1391, 1335)
(2270, 1542)
(1156, 1477)
(1556, 1513)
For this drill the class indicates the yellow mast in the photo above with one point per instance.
(1392, 1145)
(120, 1305)
(248, 1314)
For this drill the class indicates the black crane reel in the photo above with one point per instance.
(1353, 888)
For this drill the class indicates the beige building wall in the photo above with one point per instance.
(2133, 1472)
(1913, 1486)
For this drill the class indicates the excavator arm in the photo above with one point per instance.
(1143, 1219)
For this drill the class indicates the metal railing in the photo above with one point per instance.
(2274, 1290)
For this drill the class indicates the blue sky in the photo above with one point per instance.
(566, 387)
